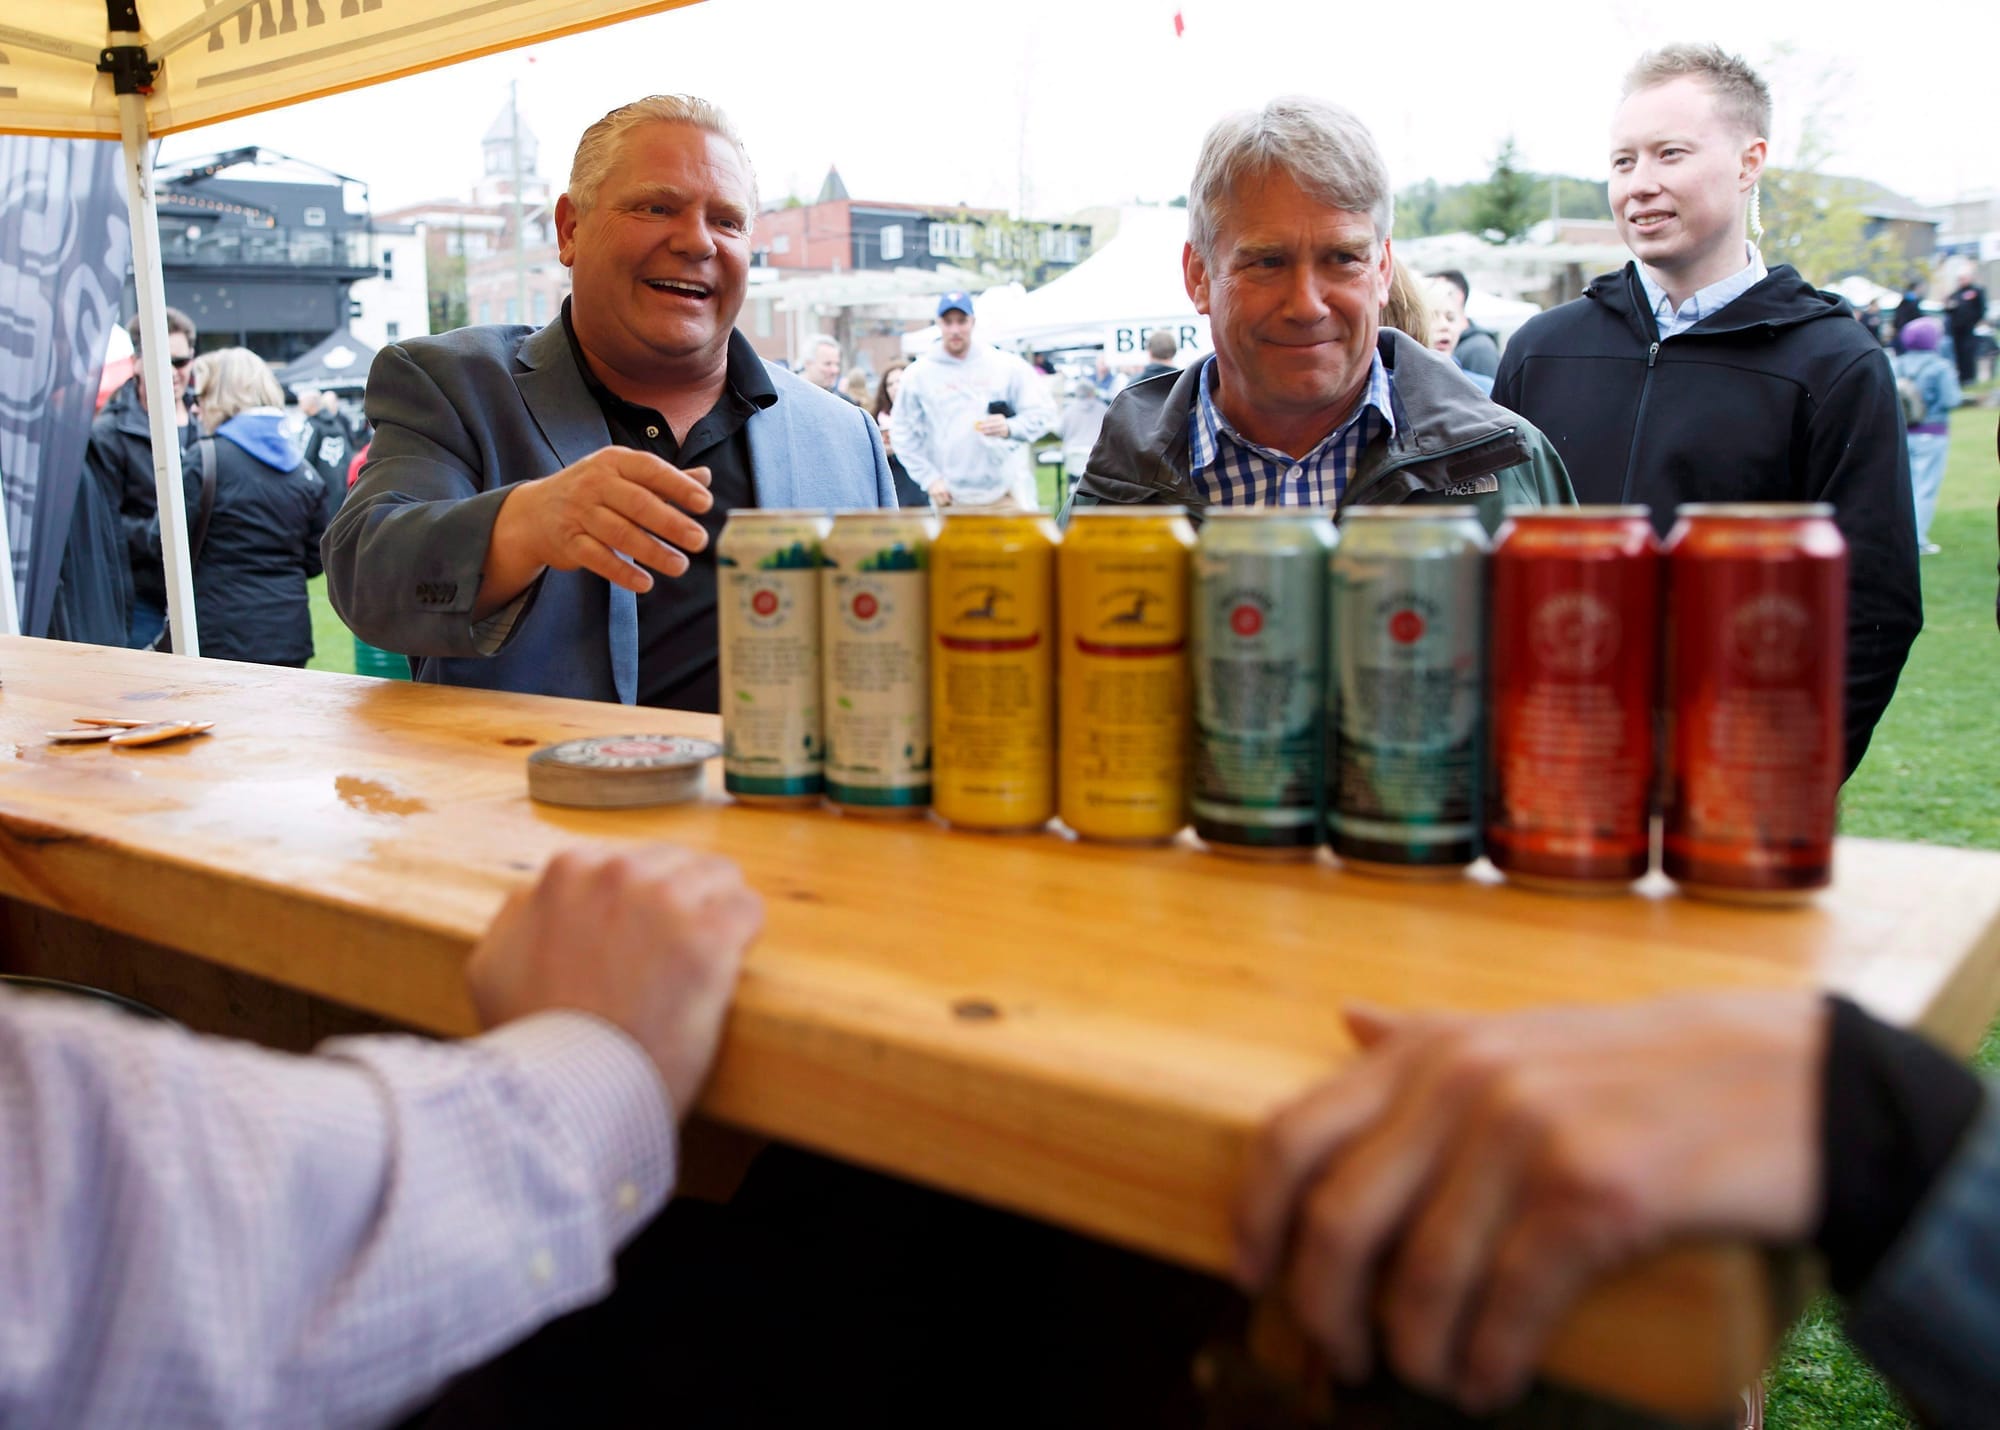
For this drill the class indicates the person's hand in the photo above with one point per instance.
(648, 939)
(1469, 1178)
(940, 496)
(991, 425)
(616, 502)
(888, 441)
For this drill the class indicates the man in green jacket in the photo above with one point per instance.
(1307, 400)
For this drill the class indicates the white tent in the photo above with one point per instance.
(134, 69)
(1133, 282)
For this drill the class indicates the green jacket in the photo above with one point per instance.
(1452, 446)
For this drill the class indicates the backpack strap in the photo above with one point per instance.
(205, 450)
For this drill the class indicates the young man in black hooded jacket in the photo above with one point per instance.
(1696, 375)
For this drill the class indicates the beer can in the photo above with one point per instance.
(1575, 661)
(767, 609)
(993, 714)
(1122, 731)
(1406, 623)
(1258, 653)
(1756, 662)
(875, 620)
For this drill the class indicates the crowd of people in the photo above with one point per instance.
(261, 485)
(538, 514)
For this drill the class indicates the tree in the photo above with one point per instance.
(445, 284)
(1505, 205)
(1813, 220)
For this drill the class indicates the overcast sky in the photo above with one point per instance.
(1064, 103)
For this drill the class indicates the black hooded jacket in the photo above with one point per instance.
(120, 459)
(1778, 396)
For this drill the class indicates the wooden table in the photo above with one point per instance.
(1087, 1035)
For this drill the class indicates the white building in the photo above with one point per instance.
(396, 304)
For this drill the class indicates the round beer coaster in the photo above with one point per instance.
(620, 771)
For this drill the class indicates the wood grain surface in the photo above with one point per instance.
(1089, 1035)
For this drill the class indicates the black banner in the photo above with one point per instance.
(65, 247)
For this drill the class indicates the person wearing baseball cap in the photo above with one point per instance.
(967, 415)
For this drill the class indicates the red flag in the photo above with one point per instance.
(1180, 25)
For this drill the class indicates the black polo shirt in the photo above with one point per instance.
(677, 639)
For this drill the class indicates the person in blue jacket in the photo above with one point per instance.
(268, 512)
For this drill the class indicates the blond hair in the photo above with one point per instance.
(232, 380)
(1408, 309)
(1744, 98)
(597, 151)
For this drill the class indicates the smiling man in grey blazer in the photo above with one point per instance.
(539, 508)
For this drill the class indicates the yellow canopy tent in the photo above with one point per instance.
(135, 69)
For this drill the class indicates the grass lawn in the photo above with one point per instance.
(1931, 776)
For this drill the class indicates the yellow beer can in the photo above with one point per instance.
(993, 669)
(1123, 577)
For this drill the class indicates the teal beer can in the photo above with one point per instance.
(1259, 651)
(767, 607)
(1406, 682)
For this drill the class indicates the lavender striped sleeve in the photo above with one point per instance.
(197, 1232)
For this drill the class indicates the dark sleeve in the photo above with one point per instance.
(1507, 379)
(319, 505)
(103, 459)
(1894, 1111)
(405, 555)
(1856, 459)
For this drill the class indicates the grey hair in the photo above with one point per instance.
(1741, 92)
(815, 341)
(597, 151)
(1323, 148)
(232, 380)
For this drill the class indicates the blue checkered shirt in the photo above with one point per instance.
(1231, 470)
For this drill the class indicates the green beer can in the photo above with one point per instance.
(767, 608)
(875, 615)
(1406, 673)
(1259, 652)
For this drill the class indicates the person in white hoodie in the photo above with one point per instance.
(967, 415)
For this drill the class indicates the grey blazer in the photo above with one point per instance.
(459, 416)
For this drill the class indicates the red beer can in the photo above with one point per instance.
(1756, 660)
(1575, 668)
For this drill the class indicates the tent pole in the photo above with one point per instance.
(150, 284)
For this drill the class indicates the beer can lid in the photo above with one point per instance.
(620, 771)
(1605, 512)
(1129, 513)
(1757, 510)
(1264, 513)
(762, 513)
(1410, 511)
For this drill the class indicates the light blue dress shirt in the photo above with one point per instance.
(1712, 299)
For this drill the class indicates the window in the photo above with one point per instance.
(392, 331)
(951, 240)
(513, 310)
(485, 311)
(760, 318)
(541, 306)
(314, 218)
(781, 243)
(389, 265)
(1059, 246)
(892, 242)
